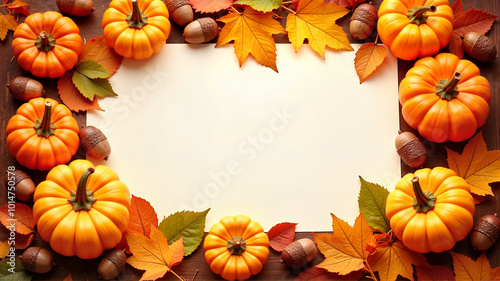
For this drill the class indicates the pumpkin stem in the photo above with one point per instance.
(447, 89)
(136, 18)
(82, 198)
(418, 15)
(236, 245)
(424, 201)
(45, 42)
(45, 127)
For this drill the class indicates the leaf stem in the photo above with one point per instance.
(376, 39)
(372, 275)
(234, 9)
(179, 277)
(286, 2)
(288, 9)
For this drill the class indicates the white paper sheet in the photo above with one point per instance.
(191, 130)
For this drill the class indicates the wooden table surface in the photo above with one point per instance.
(90, 27)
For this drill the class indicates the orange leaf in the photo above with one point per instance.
(153, 255)
(315, 273)
(368, 58)
(315, 21)
(18, 6)
(476, 165)
(23, 240)
(18, 219)
(495, 274)
(344, 251)
(252, 34)
(99, 51)
(4, 249)
(344, 3)
(68, 278)
(434, 273)
(7, 22)
(142, 216)
(71, 97)
(468, 269)
(210, 6)
(395, 259)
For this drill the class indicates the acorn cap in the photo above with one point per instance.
(479, 46)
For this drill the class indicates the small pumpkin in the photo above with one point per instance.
(431, 210)
(236, 247)
(42, 134)
(136, 28)
(445, 98)
(47, 44)
(413, 29)
(81, 209)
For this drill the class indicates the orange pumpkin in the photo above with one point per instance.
(47, 44)
(42, 134)
(445, 98)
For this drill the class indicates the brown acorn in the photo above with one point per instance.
(37, 260)
(363, 21)
(24, 88)
(111, 264)
(180, 11)
(411, 150)
(485, 232)
(95, 143)
(479, 46)
(299, 253)
(201, 30)
(24, 185)
(79, 8)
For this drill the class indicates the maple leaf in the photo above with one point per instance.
(252, 33)
(71, 97)
(281, 235)
(368, 58)
(7, 22)
(153, 254)
(344, 3)
(476, 165)
(18, 6)
(142, 216)
(98, 50)
(315, 273)
(315, 21)
(344, 251)
(261, 5)
(19, 218)
(434, 273)
(467, 269)
(395, 259)
(210, 6)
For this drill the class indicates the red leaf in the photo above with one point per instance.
(478, 199)
(18, 6)
(281, 235)
(457, 8)
(23, 241)
(315, 273)
(342, 3)
(18, 218)
(71, 97)
(434, 272)
(142, 216)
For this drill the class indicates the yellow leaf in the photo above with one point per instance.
(476, 165)
(315, 21)
(153, 254)
(4, 249)
(7, 22)
(467, 269)
(368, 58)
(252, 33)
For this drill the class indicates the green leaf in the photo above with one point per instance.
(92, 87)
(92, 69)
(371, 202)
(261, 5)
(13, 272)
(187, 224)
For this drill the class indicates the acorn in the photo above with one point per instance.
(411, 150)
(180, 11)
(95, 143)
(111, 264)
(485, 232)
(201, 30)
(363, 21)
(24, 185)
(79, 8)
(37, 260)
(479, 46)
(299, 253)
(24, 88)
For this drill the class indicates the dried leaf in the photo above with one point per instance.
(467, 269)
(315, 273)
(315, 21)
(368, 58)
(281, 235)
(7, 22)
(187, 225)
(68, 278)
(19, 218)
(142, 216)
(90, 88)
(457, 8)
(476, 165)
(153, 255)
(92, 69)
(98, 50)
(395, 259)
(261, 5)
(4, 249)
(23, 240)
(18, 6)
(71, 97)
(371, 202)
(210, 6)
(434, 273)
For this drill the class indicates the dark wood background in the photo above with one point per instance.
(90, 27)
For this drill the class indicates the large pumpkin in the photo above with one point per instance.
(236, 247)
(47, 44)
(445, 98)
(413, 29)
(431, 210)
(136, 28)
(81, 209)
(42, 134)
